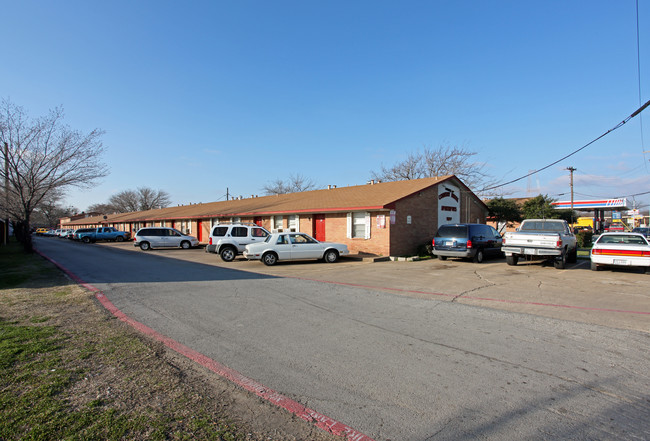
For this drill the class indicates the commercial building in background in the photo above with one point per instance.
(608, 214)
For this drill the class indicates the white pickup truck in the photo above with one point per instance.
(535, 239)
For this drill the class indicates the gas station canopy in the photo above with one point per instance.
(602, 204)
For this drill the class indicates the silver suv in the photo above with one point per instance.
(229, 240)
(162, 237)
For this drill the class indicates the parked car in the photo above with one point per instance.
(474, 241)
(79, 232)
(541, 239)
(104, 233)
(41, 231)
(163, 237)
(642, 230)
(621, 249)
(229, 240)
(63, 233)
(293, 246)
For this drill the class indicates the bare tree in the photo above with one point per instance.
(125, 201)
(294, 184)
(50, 210)
(101, 208)
(150, 198)
(443, 161)
(448, 160)
(142, 199)
(43, 156)
(410, 168)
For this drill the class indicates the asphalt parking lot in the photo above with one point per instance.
(617, 298)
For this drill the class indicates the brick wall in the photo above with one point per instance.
(423, 211)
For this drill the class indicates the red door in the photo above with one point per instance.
(199, 228)
(258, 221)
(319, 227)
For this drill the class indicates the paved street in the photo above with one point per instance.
(404, 350)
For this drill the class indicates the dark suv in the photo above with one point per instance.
(474, 241)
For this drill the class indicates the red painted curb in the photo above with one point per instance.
(318, 419)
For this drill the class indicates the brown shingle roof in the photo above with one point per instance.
(359, 197)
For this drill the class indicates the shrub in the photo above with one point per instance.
(425, 250)
(584, 239)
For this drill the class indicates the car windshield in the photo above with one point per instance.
(550, 227)
(452, 231)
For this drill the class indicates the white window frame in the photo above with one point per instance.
(294, 222)
(186, 227)
(350, 229)
(274, 226)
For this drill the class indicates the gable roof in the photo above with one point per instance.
(376, 196)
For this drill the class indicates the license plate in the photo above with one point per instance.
(621, 262)
(529, 251)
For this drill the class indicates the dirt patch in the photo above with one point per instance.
(116, 368)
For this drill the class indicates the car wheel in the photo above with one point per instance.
(144, 246)
(442, 257)
(119, 239)
(512, 259)
(595, 267)
(331, 256)
(186, 245)
(478, 257)
(270, 259)
(561, 262)
(573, 256)
(228, 254)
(86, 239)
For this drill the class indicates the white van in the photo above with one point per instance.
(163, 237)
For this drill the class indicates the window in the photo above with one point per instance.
(219, 231)
(186, 227)
(239, 232)
(277, 222)
(258, 232)
(359, 225)
(294, 223)
(301, 238)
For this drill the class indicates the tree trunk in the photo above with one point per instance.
(21, 230)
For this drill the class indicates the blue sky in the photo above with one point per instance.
(198, 97)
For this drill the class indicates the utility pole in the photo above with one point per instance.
(571, 170)
(5, 233)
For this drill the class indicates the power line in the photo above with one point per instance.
(617, 126)
(638, 69)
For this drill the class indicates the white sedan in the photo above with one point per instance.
(621, 249)
(292, 246)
